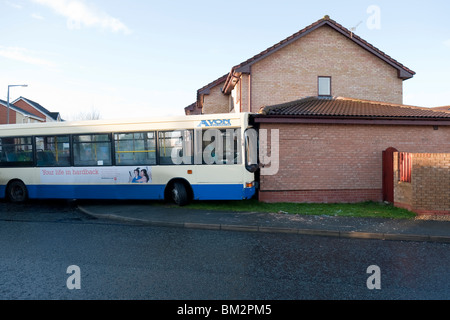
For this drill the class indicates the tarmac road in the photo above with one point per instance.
(119, 261)
(151, 251)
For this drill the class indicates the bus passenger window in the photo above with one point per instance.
(92, 150)
(176, 147)
(135, 148)
(52, 151)
(221, 146)
(16, 152)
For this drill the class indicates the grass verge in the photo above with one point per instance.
(363, 209)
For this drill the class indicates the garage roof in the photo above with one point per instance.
(349, 108)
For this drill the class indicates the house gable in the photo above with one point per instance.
(291, 69)
(245, 67)
(16, 114)
(36, 109)
(210, 98)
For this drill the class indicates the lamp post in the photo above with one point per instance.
(9, 86)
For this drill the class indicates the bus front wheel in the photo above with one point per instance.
(17, 191)
(179, 194)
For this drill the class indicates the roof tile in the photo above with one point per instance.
(350, 108)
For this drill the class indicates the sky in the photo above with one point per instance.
(127, 59)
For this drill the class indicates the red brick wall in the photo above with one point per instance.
(25, 106)
(3, 115)
(341, 163)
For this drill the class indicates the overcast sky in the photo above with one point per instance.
(141, 58)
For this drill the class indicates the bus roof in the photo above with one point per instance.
(131, 124)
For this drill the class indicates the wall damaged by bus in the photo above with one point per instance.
(422, 182)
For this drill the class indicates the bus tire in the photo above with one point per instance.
(179, 194)
(17, 191)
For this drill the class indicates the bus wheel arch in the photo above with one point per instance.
(179, 190)
(16, 191)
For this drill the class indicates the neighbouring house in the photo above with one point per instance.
(23, 110)
(16, 114)
(36, 109)
(323, 59)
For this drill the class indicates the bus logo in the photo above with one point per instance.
(215, 123)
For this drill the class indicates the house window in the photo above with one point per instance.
(324, 86)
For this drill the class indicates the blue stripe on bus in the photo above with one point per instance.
(120, 192)
(222, 192)
(133, 192)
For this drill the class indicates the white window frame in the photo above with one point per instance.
(324, 88)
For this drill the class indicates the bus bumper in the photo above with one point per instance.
(249, 192)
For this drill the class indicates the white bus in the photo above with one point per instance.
(182, 158)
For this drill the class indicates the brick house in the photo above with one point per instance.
(337, 102)
(16, 114)
(23, 110)
(322, 59)
(37, 109)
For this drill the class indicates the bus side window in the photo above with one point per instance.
(92, 150)
(16, 152)
(221, 146)
(135, 148)
(176, 146)
(52, 151)
(2, 156)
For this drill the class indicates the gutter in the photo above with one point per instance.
(259, 118)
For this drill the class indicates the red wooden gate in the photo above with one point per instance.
(404, 165)
(388, 174)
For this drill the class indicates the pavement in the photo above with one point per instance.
(156, 214)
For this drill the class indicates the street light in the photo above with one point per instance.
(12, 85)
